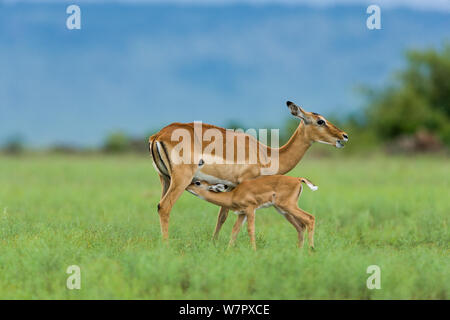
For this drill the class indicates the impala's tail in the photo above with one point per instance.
(160, 156)
(311, 185)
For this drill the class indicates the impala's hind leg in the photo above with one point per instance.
(298, 225)
(311, 228)
(305, 218)
(178, 183)
(165, 182)
(310, 222)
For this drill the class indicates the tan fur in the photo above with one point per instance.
(282, 192)
(180, 175)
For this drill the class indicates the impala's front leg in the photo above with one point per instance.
(221, 218)
(236, 228)
(179, 181)
(223, 212)
(250, 213)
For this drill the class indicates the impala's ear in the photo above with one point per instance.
(298, 112)
(218, 187)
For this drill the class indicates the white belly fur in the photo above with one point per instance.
(265, 205)
(211, 179)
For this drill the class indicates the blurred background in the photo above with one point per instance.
(136, 66)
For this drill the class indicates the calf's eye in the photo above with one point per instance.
(197, 183)
(320, 122)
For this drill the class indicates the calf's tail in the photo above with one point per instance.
(311, 185)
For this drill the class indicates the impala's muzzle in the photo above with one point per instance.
(341, 143)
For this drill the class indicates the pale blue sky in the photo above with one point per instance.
(139, 67)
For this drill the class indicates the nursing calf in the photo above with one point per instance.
(281, 192)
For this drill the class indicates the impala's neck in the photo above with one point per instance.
(293, 151)
(223, 199)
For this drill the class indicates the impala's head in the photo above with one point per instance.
(318, 128)
(197, 187)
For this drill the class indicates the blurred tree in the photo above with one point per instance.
(14, 144)
(234, 124)
(139, 144)
(287, 131)
(117, 142)
(418, 99)
(64, 148)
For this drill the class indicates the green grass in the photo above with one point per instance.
(100, 213)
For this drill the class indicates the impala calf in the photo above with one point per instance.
(281, 192)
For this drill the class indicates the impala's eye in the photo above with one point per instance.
(320, 122)
(197, 183)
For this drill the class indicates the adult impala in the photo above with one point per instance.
(178, 169)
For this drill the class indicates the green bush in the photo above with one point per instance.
(117, 142)
(418, 99)
(14, 145)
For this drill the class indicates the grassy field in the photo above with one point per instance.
(100, 213)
